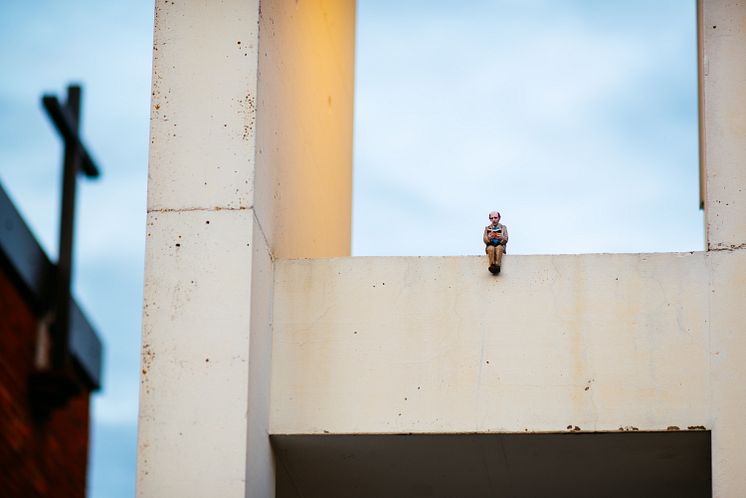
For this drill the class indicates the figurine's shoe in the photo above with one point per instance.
(494, 269)
(497, 270)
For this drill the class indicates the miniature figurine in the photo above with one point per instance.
(496, 239)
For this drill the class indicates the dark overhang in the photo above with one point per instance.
(668, 464)
(26, 263)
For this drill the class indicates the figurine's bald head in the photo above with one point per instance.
(494, 217)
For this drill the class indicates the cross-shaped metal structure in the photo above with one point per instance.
(55, 383)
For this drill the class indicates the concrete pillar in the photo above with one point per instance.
(304, 132)
(728, 371)
(722, 38)
(722, 33)
(203, 247)
(251, 120)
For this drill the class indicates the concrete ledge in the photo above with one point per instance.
(591, 342)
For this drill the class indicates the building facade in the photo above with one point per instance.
(273, 368)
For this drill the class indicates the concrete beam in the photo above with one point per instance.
(599, 342)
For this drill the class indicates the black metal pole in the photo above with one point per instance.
(61, 325)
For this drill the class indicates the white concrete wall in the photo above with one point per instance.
(555, 343)
(203, 247)
(727, 303)
(259, 461)
(203, 105)
(204, 392)
(430, 345)
(722, 38)
(195, 364)
(251, 132)
(304, 132)
(723, 99)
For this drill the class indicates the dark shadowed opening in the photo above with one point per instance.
(672, 464)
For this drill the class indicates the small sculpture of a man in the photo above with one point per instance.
(495, 238)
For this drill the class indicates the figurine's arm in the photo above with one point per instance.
(505, 235)
(486, 237)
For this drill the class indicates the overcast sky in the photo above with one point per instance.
(576, 119)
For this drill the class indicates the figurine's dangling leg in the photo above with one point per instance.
(492, 256)
(499, 251)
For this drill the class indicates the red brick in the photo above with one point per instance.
(37, 459)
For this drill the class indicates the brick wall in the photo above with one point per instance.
(37, 459)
